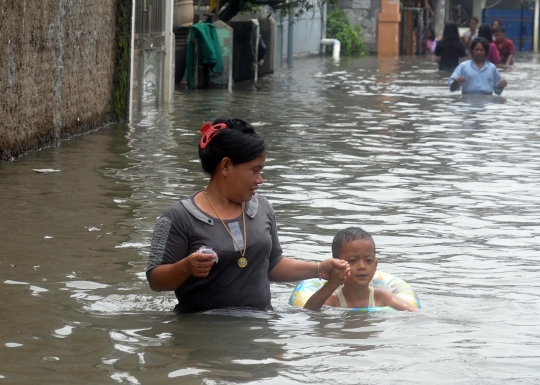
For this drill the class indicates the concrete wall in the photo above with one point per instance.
(268, 32)
(56, 70)
(307, 34)
(364, 13)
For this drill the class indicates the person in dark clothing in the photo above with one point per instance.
(493, 53)
(234, 223)
(450, 51)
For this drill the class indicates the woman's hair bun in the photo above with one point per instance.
(235, 123)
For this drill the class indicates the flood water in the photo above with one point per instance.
(448, 186)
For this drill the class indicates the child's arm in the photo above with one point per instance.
(385, 298)
(323, 295)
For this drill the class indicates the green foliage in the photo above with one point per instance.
(246, 6)
(351, 37)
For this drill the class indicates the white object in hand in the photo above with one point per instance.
(208, 250)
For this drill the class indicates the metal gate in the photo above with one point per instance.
(148, 51)
(519, 25)
(414, 26)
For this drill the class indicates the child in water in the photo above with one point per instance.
(357, 247)
(431, 41)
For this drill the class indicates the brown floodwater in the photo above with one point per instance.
(447, 184)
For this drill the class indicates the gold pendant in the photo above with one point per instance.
(242, 262)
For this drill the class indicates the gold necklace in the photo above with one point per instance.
(242, 262)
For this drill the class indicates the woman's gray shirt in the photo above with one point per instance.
(184, 228)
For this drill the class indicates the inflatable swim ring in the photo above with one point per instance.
(382, 280)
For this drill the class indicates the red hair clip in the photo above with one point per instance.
(208, 132)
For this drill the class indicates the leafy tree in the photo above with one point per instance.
(351, 37)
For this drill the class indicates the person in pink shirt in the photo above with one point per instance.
(505, 46)
(493, 55)
(431, 40)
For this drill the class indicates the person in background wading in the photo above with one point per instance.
(232, 219)
(494, 24)
(506, 47)
(493, 55)
(477, 76)
(449, 51)
(470, 34)
(421, 24)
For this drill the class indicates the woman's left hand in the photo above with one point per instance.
(331, 264)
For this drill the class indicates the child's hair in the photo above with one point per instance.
(348, 235)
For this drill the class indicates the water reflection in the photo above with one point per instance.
(446, 183)
(272, 345)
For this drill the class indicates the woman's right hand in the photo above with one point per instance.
(171, 276)
(199, 264)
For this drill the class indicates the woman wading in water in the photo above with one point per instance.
(232, 219)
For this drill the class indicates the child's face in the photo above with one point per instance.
(499, 36)
(360, 254)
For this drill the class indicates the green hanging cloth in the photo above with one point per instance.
(210, 50)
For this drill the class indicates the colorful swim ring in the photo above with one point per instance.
(382, 280)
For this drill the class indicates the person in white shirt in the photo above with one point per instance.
(470, 34)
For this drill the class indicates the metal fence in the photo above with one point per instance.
(415, 23)
(149, 50)
(149, 16)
